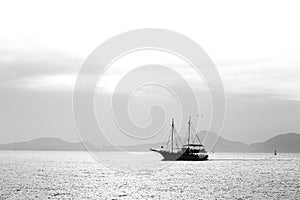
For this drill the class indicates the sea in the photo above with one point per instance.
(129, 175)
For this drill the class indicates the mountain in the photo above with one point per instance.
(285, 143)
(282, 143)
(223, 145)
(47, 144)
(219, 144)
(289, 142)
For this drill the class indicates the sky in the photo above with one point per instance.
(254, 45)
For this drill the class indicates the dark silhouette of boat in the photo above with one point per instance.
(188, 152)
(275, 152)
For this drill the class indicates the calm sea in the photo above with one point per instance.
(77, 175)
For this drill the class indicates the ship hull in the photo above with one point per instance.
(171, 156)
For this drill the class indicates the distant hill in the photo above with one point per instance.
(211, 141)
(282, 143)
(285, 143)
(47, 144)
(223, 145)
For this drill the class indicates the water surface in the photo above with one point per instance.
(77, 175)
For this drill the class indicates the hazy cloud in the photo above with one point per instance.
(30, 66)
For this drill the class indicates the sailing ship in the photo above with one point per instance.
(188, 152)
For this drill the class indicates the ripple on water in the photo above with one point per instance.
(75, 175)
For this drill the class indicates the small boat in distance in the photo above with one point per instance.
(275, 153)
(188, 152)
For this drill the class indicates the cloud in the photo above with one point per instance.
(276, 76)
(48, 82)
(34, 67)
(262, 89)
(31, 66)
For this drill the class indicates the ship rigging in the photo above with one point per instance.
(190, 151)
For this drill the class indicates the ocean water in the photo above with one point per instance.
(78, 175)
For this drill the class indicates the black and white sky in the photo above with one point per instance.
(254, 45)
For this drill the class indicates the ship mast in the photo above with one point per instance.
(189, 125)
(172, 135)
